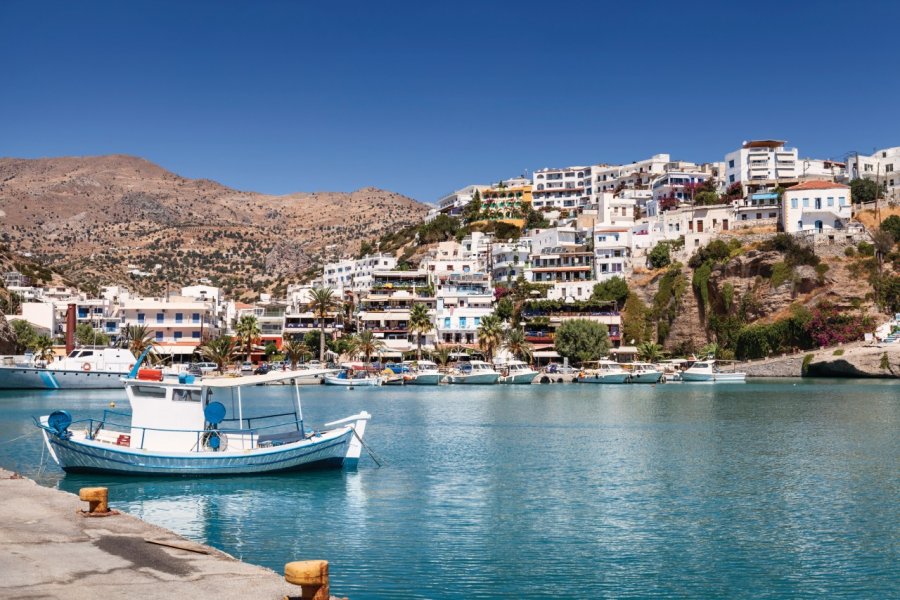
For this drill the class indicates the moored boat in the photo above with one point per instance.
(708, 371)
(423, 372)
(178, 426)
(517, 372)
(474, 372)
(350, 377)
(603, 371)
(644, 373)
(81, 369)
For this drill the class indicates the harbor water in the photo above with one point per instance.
(768, 489)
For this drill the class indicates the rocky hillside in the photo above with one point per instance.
(96, 218)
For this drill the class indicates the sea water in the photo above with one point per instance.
(766, 489)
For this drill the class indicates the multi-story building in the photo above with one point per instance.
(510, 259)
(615, 210)
(674, 188)
(508, 202)
(561, 189)
(612, 252)
(462, 300)
(561, 264)
(816, 207)
(178, 324)
(760, 208)
(882, 166)
(455, 257)
(386, 309)
(541, 323)
(556, 237)
(635, 176)
(453, 203)
(761, 165)
(355, 274)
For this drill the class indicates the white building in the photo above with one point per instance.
(355, 274)
(883, 166)
(562, 189)
(612, 251)
(761, 164)
(816, 206)
(178, 324)
(462, 300)
(615, 210)
(453, 203)
(634, 176)
(510, 259)
(555, 237)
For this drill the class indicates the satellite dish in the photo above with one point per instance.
(59, 421)
(214, 412)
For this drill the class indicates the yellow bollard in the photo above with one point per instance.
(311, 576)
(97, 499)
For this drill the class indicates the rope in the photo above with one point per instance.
(378, 461)
(16, 439)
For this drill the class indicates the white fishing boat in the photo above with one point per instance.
(708, 371)
(517, 372)
(351, 377)
(603, 371)
(644, 373)
(192, 427)
(423, 372)
(474, 372)
(81, 369)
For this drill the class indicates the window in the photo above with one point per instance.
(195, 335)
(141, 317)
(477, 321)
(178, 335)
(888, 168)
(793, 203)
(179, 317)
(195, 317)
(731, 166)
(842, 201)
(818, 203)
(831, 202)
(462, 322)
(159, 336)
(446, 322)
(160, 317)
(806, 203)
(731, 179)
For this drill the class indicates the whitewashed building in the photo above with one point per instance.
(882, 166)
(612, 251)
(562, 189)
(816, 206)
(761, 164)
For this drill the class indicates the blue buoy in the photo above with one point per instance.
(214, 413)
(214, 442)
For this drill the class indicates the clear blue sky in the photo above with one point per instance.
(425, 97)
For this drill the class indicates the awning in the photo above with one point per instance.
(181, 350)
(546, 354)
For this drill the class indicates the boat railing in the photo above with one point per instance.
(94, 429)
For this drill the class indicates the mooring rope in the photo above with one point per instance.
(378, 461)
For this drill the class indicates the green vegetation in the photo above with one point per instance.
(795, 252)
(892, 226)
(322, 302)
(863, 190)
(581, 340)
(636, 322)
(295, 351)
(660, 256)
(516, 344)
(884, 363)
(614, 290)
(650, 352)
(86, 335)
(838, 352)
(865, 249)
(26, 334)
(804, 368)
(490, 335)
(667, 301)
(419, 325)
(781, 272)
(247, 331)
(219, 351)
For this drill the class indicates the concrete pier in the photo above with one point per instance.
(48, 550)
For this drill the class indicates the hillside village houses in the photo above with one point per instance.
(603, 221)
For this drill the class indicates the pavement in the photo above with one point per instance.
(48, 550)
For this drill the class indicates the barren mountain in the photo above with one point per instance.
(94, 219)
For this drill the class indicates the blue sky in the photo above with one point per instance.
(425, 97)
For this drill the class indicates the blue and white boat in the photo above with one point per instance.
(603, 371)
(708, 371)
(182, 426)
(82, 369)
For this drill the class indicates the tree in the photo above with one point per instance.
(505, 309)
(883, 241)
(863, 190)
(892, 226)
(367, 344)
(711, 349)
(322, 301)
(650, 352)
(247, 331)
(42, 346)
(86, 335)
(219, 351)
(660, 256)
(138, 338)
(271, 350)
(614, 289)
(516, 344)
(636, 326)
(25, 334)
(581, 340)
(419, 324)
(11, 304)
(295, 350)
(441, 354)
(490, 335)
(705, 198)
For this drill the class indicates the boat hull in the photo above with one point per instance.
(520, 378)
(608, 378)
(714, 377)
(75, 456)
(369, 381)
(426, 379)
(479, 379)
(645, 378)
(23, 378)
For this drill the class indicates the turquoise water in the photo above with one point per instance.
(764, 490)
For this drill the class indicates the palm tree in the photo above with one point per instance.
(650, 352)
(322, 301)
(441, 354)
(419, 324)
(516, 344)
(490, 335)
(247, 330)
(367, 344)
(138, 338)
(711, 349)
(218, 351)
(43, 348)
(295, 350)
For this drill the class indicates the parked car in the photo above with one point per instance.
(202, 368)
(247, 367)
(262, 369)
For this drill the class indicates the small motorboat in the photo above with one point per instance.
(708, 371)
(474, 372)
(644, 373)
(182, 426)
(603, 371)
(517, 372)
(350, 377)
(423, 372)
